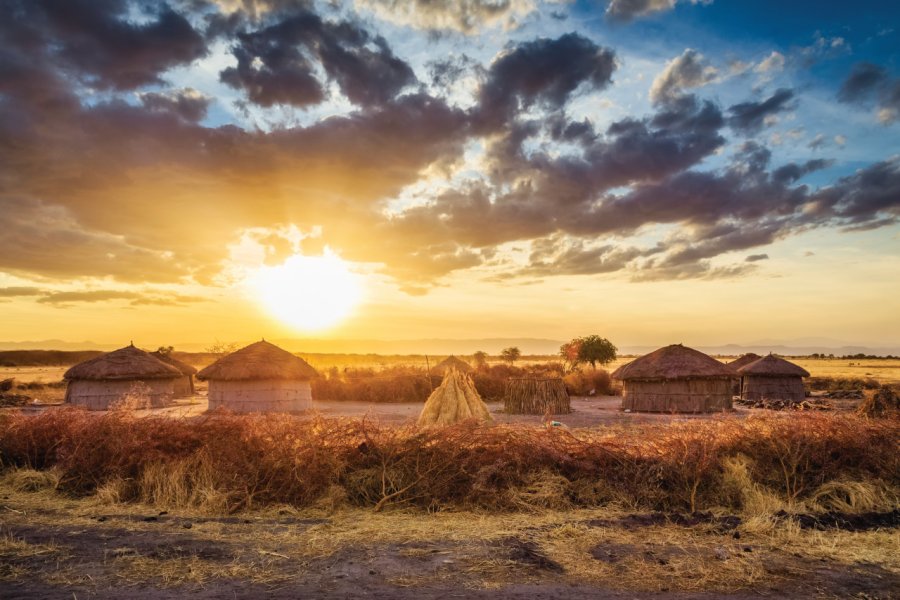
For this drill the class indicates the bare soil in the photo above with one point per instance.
(54, 547)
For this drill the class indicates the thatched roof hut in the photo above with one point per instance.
(455, 400)
(184, 385)
(451, 362)
(536, 396)
(125, 375)
(736, 364)
(260, 377)
(675, 379)
(772, 378)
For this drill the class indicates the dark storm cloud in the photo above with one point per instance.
(277, 64)
(543, 71)
(868, 83)
(750, 117)
(97, 41)
(188, 104)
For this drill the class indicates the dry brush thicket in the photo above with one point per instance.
(230, 463)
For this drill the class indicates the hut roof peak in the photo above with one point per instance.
(676, 361)
(260, 360)
(773, 366)
(125, 363)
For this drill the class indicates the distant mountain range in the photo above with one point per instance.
(794, 347)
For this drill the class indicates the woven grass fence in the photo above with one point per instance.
(530, 396)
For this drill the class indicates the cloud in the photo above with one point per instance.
(136, 298)
(188, 103)
(689, 70)
(543, 71)
(278, 64)
(750, 117)
(756, 257)
(628, 10)
(868, 83)
(464, 16)
(15, 292)
(773, 63)
(102, 43)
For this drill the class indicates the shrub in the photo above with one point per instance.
(589, 382)
(230, 463)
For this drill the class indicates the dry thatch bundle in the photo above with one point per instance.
(451, 362)
(261, 360)
(533, 396)
(882, 404)
(455, 400)
(122, 364)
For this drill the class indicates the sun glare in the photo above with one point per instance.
(309, 292)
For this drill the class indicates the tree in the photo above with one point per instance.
(480, 359)
(222, 348)
(595, 349)
(569, 352)
(165, 350)
(511, 354)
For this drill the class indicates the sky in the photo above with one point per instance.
(654, 171)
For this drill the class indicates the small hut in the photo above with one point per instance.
(536, 396)
(675, 379)
(736, 364)
(455, 400)
(126, 373)
(259, 378)
(451, 362)
(184, 385)
(772, 378)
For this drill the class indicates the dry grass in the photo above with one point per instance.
(231, 463)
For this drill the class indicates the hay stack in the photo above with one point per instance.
(455, 400)
(106, 380)
(884, 403)
(533, 396)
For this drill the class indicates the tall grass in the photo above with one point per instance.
(229, 463)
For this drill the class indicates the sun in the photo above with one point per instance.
(309, 292)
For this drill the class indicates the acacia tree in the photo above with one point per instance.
(569, 352)
(595, 349)
(511, 354)
(480, 359)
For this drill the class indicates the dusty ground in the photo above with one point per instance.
(586, 412)
(57, 547)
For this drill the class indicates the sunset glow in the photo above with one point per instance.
(309, 293)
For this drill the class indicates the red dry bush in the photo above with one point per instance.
(260, 460)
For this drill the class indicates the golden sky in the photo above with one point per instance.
(528, 170)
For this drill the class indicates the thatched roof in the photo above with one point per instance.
(773, 366)
(185, 368)
(124, 363)
(451, 362)
(262, 360)
(455, 400)
(745, 359)
(673, 362)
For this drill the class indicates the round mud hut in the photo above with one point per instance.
(184, 385)
(536, 396)
(126, 377)
(675, 379)
(772, 378)
(259, 378)
(455, 400)
(451, 362)
(736, 364)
